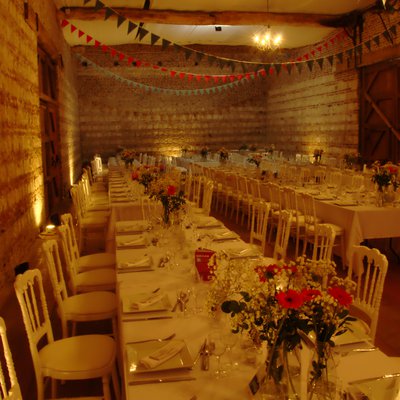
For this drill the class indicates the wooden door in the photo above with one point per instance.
(50, 132)
(380, 112)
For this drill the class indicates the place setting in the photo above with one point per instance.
(131, 227)
(135, 260)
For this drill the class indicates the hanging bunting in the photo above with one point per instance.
(165, 44)
(188, 53)
(98, 5)
(387, 36)
(330, 60)
(86, 1)
(73, 28)
(320, 62)
(393, 30)
(310, 65)
(289, 68)
(349, 53)
(64, 23)
(376, 40)
(143, 32)
(154, 39)
(131, 27)
(368, 45)
(120, 20)
(96, 43)
(299, 67)
(88, 39)
(108, 13)
(80, 33)
(340, 57)
(177, 48)
(199, 56)
(277, 68)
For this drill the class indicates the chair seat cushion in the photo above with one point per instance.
(91, 306)
(96, 260)
(98, 279)
(78, 357)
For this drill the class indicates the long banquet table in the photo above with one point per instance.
(188, 381)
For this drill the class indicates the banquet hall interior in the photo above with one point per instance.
(185, 87)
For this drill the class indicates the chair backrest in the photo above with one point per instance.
(9, 386)
(32, 301)
(275, 196)
(308, 209)
(188, 185)
(207, 196)
(259, 223)
(368, 267)
(282, 235)
(55, 268)
(67, 219)
(78, 207)
(197, 186)
(254, 186)
(71, 261)
(324, 241)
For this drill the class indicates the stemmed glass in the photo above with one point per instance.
(217, 347)
(230, 339)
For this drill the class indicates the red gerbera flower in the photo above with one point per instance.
(171, 190)
(339, 294)
(135, 176)
(310, 294)
(290, 299)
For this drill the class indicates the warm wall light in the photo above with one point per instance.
(267, 40)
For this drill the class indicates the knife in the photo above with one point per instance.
(163, 380)
(201, 352)
(205, 360)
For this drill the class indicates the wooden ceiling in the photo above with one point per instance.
(301, 22)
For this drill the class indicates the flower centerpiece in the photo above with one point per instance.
(352, 160)
(270, 149)
(386, 178)
(255, 159)
(146, 174)
(223, 154)
(166, 190)
(204, 152)
(317, 155)
(279, 304)
(127, 155)
(243, 147)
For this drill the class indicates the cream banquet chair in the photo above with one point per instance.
(74, 358)
(368, 267)
(92, 306)
(259, 223)
(282, 235)
(88, 281)
(90, 261)
(9, 386)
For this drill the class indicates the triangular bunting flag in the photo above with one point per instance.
(306, 56)
(138, 63)
(108, 13)
(326, 45)
(181, 75)
(244, 67)
(80, 33)
(239, 77)
(198, 78)
(113, 52)
(310, 64)
(199, 56)
(104, 48)
(96, 43)
(85, 2)
(267, 67)
(131, 27)
(319, 48)
(221, 63)
(368, 45)
(376, 40)
(98, 5)
(188, 53)
(393, 30)
(177, 48)
(88, 39)
(190, 77)
(289, 67)
(299, 67)
(172, 73)
(207, 78)
(232, 78)
(208, 91)
(165, 44)
(216, 78)
(248, 75)
(121, 19)
(142, 33)
(64, 23)
(73, 28)
(358, 49)
(154, 39)
(224, 78)
(387, 36)
(340, 57)
(330, 60)
(278, 68)
(121, 56)
(211, 60)
(320, 62)
(262, 72)
(130, 60)
(349, 53)
(163, 69)
(232, 65)
(313, 53)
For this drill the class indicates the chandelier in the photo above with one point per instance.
(267, 40)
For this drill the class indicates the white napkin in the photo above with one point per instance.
(153, 298)
(163, 354)
(227, 235)
(143, 262)
(139, 241)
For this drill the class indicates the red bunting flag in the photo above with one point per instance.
(198, 78)
(271, 70)
(332, 40)
(163, 69)
(64, 23)
(326, 44)
(80, 33)
(73, 28)
(207, 78)
(138, 63)
(181, 75)
(190, 77)
(88, 39)
(146, 64)
(130, 60)
(306, 56)
(248, 75)
(232, 78)
(262, 72)
(113, 52)
(96, 43)
(121, 56)
(104, 48)
(319, 48)
(156, 67)
(224, 78)
(313, 53)
(299, 59)
(172, 73)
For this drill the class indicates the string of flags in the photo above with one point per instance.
(155, 89)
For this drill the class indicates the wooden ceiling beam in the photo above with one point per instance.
(206, 17)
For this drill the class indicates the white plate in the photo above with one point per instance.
(242, 253)
(163, 304)
(136, 351)
(383, 388)
(131, 242)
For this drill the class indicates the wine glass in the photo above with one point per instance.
(230, 339)
(217, 348)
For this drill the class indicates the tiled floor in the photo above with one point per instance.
(387, 339)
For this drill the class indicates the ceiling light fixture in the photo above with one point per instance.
(267, 41)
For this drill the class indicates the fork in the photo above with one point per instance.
(154, 339)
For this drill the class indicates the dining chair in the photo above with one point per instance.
(9, 385)
(91, 306)
(276, 207)
(208, 189)
(74, 358)
(368, 268)
(90, 261)
(282, 235)
(87, 281)
(259, 223)
(310, 222)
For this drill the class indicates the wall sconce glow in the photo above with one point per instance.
(50, 228)
(38, 208)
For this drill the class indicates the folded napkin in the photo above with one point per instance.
(153, 298)
(345, 203)
(144, 262)
(211, 223)
(228, 235)
(324, 197)
(139, 241)
(163, 354)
